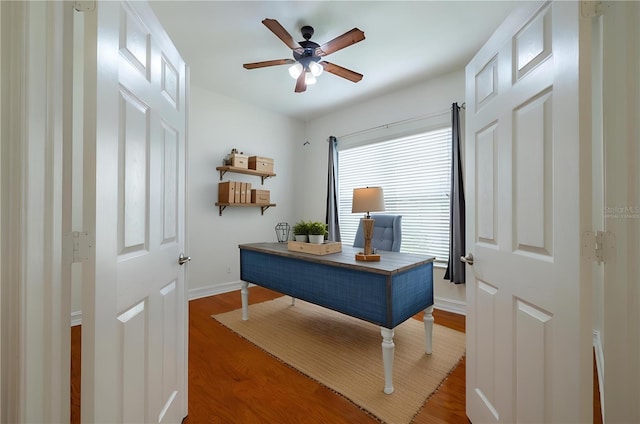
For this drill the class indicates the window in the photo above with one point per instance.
(415, 173)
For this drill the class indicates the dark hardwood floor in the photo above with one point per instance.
(232, 381)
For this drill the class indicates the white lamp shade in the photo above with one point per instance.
(369, 199)
(295, 70)
(316, 69)
(309, 78)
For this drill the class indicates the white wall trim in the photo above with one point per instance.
(35, 120)
(597, 346)
(621, 314)
(450, 305)
(76, 318)
(11, 193)
(214, 289)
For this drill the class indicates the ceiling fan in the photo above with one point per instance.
(307, 55)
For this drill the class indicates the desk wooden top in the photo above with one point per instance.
(390, 262)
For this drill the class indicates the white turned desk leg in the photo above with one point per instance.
(387, 358)
(293, 301)
(428, 328)
(244, 294)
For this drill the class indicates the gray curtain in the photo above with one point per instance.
(455, 268)
(332, 192)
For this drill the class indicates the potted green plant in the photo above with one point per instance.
(317, 231)
(301, 231)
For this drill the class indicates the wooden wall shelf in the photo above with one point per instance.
(263, 206)
(263, 175)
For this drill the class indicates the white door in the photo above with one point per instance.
(134, 330)
(529, 329)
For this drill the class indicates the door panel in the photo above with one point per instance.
(486, 187)
(137, 301)
(533, 175)
(528, 322)
(486, 327)
(132, 181)
(532, 336)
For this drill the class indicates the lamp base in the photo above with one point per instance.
(368, 258)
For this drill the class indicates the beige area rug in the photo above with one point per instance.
(345, 354)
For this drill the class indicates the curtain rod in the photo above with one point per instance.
(393, 124)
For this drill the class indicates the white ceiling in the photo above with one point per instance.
(406, 42)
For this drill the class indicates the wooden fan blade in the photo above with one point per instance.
(301, 86)
(345, 40)
(268, 63)
(281, 33)
(341, 72)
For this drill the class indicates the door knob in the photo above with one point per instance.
(467, 259)
(183, 259)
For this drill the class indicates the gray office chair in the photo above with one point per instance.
(387, 233)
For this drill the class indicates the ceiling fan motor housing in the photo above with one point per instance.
(308, 54)
(307, 32)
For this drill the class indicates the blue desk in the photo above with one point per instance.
(385, 293)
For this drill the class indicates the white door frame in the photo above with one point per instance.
(36, 118)
(621, 132)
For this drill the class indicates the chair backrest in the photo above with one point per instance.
(387, 233)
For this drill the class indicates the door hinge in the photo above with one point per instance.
(84, 6)
(80, 246)
(598, 245)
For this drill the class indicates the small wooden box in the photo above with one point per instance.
(239, 161)
(227, 192)
(326, 248)
(260, 196)
(261, 164)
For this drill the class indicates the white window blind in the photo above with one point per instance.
(415, 173)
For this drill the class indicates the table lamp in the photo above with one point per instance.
(369, 199)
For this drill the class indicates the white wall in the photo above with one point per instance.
(428, 98)
(216, 125)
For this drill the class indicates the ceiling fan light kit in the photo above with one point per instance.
(307, 63)
(295, 70)
(309, 79)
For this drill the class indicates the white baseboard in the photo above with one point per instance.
(450, 305)
(597, 346)
(76, 318)
(214, 289)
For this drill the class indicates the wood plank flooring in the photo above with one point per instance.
(251, 386)
(233, 381)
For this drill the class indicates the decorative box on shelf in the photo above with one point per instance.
(237, 160)
(261, 164)
(326, 248)
(260, 196)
